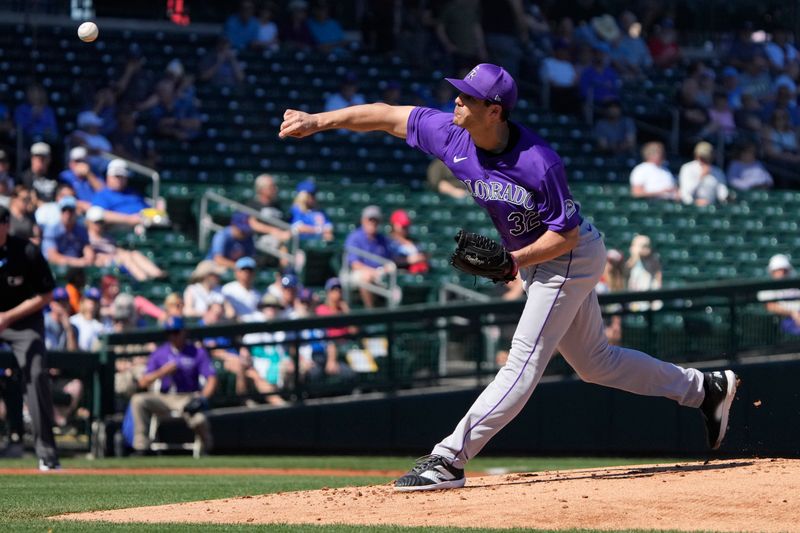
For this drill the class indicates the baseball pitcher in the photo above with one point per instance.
(520, 181)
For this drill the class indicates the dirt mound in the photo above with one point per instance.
(728, 495)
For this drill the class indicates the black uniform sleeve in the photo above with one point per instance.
(41, 277)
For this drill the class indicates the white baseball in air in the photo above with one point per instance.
(88, 32)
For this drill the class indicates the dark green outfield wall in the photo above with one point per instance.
(568, 417)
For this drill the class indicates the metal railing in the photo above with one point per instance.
(391, 291)
(206, 225)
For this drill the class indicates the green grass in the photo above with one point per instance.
(26, 502)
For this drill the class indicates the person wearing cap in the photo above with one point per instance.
(204, 286)
(108, 253)
(521, 183)
(241, 293)
(70, 245)
(86, 322)
(37, 176)
(651, 178)
(599, 81)
(26, 286)
(88, 135)
(80, 176)
(21, 208)
(307, 220)
(35, 119)
(232, 242)
(746, 172)
(267, 202)
(368, 238)
(783, 303)
(701, 182)
(174, 371)
(241, 28)
(346, 96)
(629, 52)
(406, 253)
(334, 304)
(326, 31)
(122, 205)
(59, 333)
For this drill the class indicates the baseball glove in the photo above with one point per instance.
(481, 256)
(196, 404)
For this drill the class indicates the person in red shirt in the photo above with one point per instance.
(334, 304)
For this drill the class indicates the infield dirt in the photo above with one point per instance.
(725, 495)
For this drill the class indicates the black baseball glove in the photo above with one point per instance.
(481, 256)
(196, 404)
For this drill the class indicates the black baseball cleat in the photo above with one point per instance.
(49, 465)
(431, 472)
(720, 389)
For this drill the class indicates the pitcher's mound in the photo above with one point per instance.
(727, 495)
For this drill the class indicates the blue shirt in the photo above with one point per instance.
(225, 245)
(604, 85)
(192, 362)
(69, 243)
(43, 124)
(379, 245)
(239, 33)
(312, 217)
(325, 32)
(83, 189)
(127, 201)
(523, 189)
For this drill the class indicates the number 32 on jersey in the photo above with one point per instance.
(522, 222)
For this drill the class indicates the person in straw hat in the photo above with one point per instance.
(204, 288)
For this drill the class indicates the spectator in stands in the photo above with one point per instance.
(105, 107)
(288, 287)
(35, 119)
(721, 120)
(173, 306)
(107, 253)
(334, 304)
(294, 31)
(746, 172)
(393, 93)
(307, 220)
(128, 144)
(6, 180)
(59, 334)
(787, 306)
(368, 238)
(755, 78)
(121, 204)
(693, 110)
(731, 87)
(644, 269)
(559, 74)
(780, 51)
(701, 182)
(241, 28)
(267, 203)
(240, 293)
(779, 139)
(505, 33)
(347, 95)
(88, 135)
(614, 133)
(172, 109)
(136, 81)
(222, 68)
(232, 242)
(22, 223)
(109, 289)
(48, 214)
(748, 116)
(663, 45)
(86, 321)
(629, 53)
(175, 368)
(790, 78)
(70, 245)
(743, 49)
(204, 287)
(37, 176)
(458, 28)
(442, 98)
(319, 359)
(269, 357)
(786, 100)
(80, 175)
(327, 33)
(442, 180)
(76, 282)
(405, 252)
(6, 125)
(267, 28)
(599, 83)
(613, 279)
(651, 178)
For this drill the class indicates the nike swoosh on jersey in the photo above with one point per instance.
(457, 159)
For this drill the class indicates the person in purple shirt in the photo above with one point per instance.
(368, 238)
(174, 371)
(521, 182)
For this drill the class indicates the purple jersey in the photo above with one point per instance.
(192, 362)
(524, 189)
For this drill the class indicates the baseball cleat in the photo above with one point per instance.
(720, 389)
(49, 465)
(431, 472)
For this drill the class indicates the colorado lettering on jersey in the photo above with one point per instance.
(494, 190)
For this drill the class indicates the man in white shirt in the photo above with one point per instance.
(650, 178)
(702, 183)
(782, 302)
(240, 293)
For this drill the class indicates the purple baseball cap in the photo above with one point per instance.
(488, 82)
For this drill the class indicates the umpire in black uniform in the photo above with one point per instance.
(26, 287)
